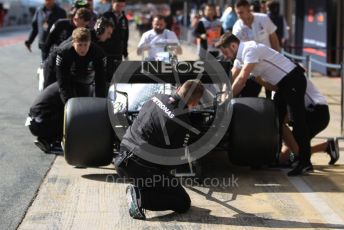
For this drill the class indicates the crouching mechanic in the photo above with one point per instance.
(80, 64)
(149, 129)
(317, 118)
(279, 71)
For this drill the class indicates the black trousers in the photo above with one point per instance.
(317, 118)
(50, 129)
(159, 190)
(291, 92)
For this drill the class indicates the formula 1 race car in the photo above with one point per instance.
(247, 128)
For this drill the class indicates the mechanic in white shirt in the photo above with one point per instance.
(153, 39)
(256, 27)
(276, 69)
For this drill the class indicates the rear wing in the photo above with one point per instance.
(135, 72)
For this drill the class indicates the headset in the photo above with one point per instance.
(101, 25)
(80, 4)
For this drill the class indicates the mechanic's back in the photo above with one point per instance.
(159, 123)
(157, 113)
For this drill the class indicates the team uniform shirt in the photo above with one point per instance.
(159, 116)
(270, 65)
(117, 46)
(49, 65)
(73, 70)
(261, 29)
(151, 38)
(313, 96)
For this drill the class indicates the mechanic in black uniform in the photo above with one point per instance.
(42, 21)
(116, 48)
(158, 116)
(88, 4)
(80, 63)
(45, 120)
(63, 28)
(102, 31)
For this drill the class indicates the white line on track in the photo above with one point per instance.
(318, 204)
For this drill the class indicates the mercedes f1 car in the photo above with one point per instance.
(247, 128)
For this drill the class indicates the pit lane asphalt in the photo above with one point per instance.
(22, 165)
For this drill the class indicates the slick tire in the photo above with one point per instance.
(254, 138)
(88, 135)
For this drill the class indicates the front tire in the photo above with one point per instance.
(88, 136)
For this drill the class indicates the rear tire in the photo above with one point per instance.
(254, 138)
(88, 136)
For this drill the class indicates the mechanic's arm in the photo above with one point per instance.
(240, 80)
(63, 77)
(143, 45)
(126, 38)
(51, 38)
(100, 67)
(33, 32)
(235, 72)
(274, 42)
(288, 136)
(265, 84)
(200, 31)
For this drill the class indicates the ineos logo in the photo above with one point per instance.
(181, 67)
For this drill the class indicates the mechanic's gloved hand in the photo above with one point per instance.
(28, 45)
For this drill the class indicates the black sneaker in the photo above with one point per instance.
(332, 150)
(293, 159)
(56, 148)
(134, 203)
(42, 145)
(300, 169)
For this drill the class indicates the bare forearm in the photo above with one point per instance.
(275, 42)
(240, 80)
(289, 139)
(238, 85)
